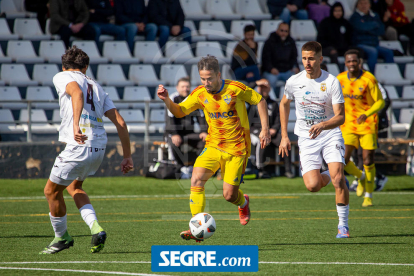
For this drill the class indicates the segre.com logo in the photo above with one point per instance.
(207, 258)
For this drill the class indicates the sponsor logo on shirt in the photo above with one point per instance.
(353, 97)
(92, 118)
(219, 115)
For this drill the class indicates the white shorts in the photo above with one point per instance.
(311, 151)
(76, 163)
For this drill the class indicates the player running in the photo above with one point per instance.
(320, 111)
(228, 141)
(82, 106)
(363, 100)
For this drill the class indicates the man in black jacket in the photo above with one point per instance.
(279, 57)
(169, 18)
(180, 131)
(274, 129)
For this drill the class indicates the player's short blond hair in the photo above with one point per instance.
(313, 46)
(209, 63)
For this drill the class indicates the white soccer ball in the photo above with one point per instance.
(202, 226)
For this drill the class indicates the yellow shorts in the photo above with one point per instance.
(367, 141)
(232, 167)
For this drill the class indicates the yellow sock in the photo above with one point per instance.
(351, 169)
(369, 179)
(240, 199)
(197, 200)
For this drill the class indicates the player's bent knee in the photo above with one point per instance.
(337, 180)
(196, 181)
(313, 189)
(229, 196)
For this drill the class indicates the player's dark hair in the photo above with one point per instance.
(186, 79)
(75, 58)
(353, 52)
(249, 28)
(312, 46)
(209, 63)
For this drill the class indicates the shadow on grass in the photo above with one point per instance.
(37, 236)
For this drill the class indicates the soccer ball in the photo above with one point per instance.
(202, 226)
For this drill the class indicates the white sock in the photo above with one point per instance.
(59, 225)
(327, 173)
(244, 204)
(368, 195)
(88, 214)
(343, 212)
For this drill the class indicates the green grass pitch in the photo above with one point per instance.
(289, 224)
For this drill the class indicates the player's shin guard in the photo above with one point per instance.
(241, 200)
(369, 180)
(197, 200)
(351, 169)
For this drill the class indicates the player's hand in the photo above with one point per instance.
(315, 130)
(176, 140)
(162, 93)
(79, 137)
(203, 136)
(284, 147)
(361, 119)
(264, 137)
(127, 165)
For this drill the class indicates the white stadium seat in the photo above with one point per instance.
(5, 33)
(195, 76)
(179, 52)
(221, 9)
(406, 116)
(157, 119)
(408, 95)
(131, 117)
(9, 7)
(195, 35)
(149, 52)
(144, 74)
(11, 93)
(118, 51)
(227, 72)
(260, 46)
(269, 26)
(170, 74)
(396, 45)
(303, 30)
(193, 10)
(44, 73)
(394, 97)
(114, 96)
(52, 51)
(112, 74)
(29, 29)
(250, 9)
(205, 48)
(4, 59)
(333, 69)
(16, 74)
(214, 30)
(409, 71)
(230, 47)
(7, 125)
(41, 93)
(389, 73)
(89, 47)
(39, 121)
(22, 51)
(140, 93)
(56, 118)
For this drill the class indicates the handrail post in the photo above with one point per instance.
(29, 123)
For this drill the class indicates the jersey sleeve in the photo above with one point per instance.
(61, 80)
(375, 91)
(288, 91)
(249, 95)
(108, 104)
(190, 104)
(336, 90)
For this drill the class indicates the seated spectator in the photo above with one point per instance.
(334, 33)
(279, 56)
(255, 127)
(180, 131)
(132, 15)
(100, 12)
(41, 8)
(284, 9)
(317, 10)
(70, 17)
(367, 26)
(400, 21)
(169, 18)
(244, 60)
(380, 7)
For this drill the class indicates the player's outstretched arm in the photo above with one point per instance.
(264, 135)
(121, 127)
(74, 91)
(335, 121)
(174, 108)
(284, 108)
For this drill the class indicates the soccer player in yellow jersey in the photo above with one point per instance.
(363, 100)
(228, 141)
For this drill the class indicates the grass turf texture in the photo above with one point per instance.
(289, 224)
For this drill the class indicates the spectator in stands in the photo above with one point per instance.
(367, 26)
(284, 9)
(317, 10)
(180, 131)
(169, 17)
(70, 17)
(279, 56)
(41, 8)
(244, 60)
(100, 13)
(132, 15)
(400, 21)
(275, 133)
(335, 33)
(380, 7)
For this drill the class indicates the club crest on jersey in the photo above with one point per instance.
(361, 88)
(227, 99)
(323, 87)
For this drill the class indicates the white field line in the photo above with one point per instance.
(336, 263)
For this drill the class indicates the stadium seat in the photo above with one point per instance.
(11, 93)
(118, 51)
(269, 26)
(157, 119)
(389, 73)
(5, 33)
(149, 52)
(44, 73)
(52, 51)
(7, 125)
(260, 46)
(39, 121)
(41, 93)
(47, 30)
(214, 30)
(230, 47)
(4, 59)
(409, 71)
(195, 76)
(140, 93)
(221, 10)
(205, 48)
(22, 51)
(250, 9)
(193, 10)
(56, 118)
(131, 117)
(144, 75)
(9, 7)
(237, 29)
(29, 29)
(114, 96)
(398, 127)
(112, 74)
(16, 74)
(406, 116)
(394, 97)
(179, 52)
(195, 35)
(396, 45)
(303, 30)
(333, 69)
(170, 74)
(89, 47)
(408, 95)
(89, 73)
(227, 73)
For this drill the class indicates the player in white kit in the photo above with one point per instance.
(82, 103)
(320, 111)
